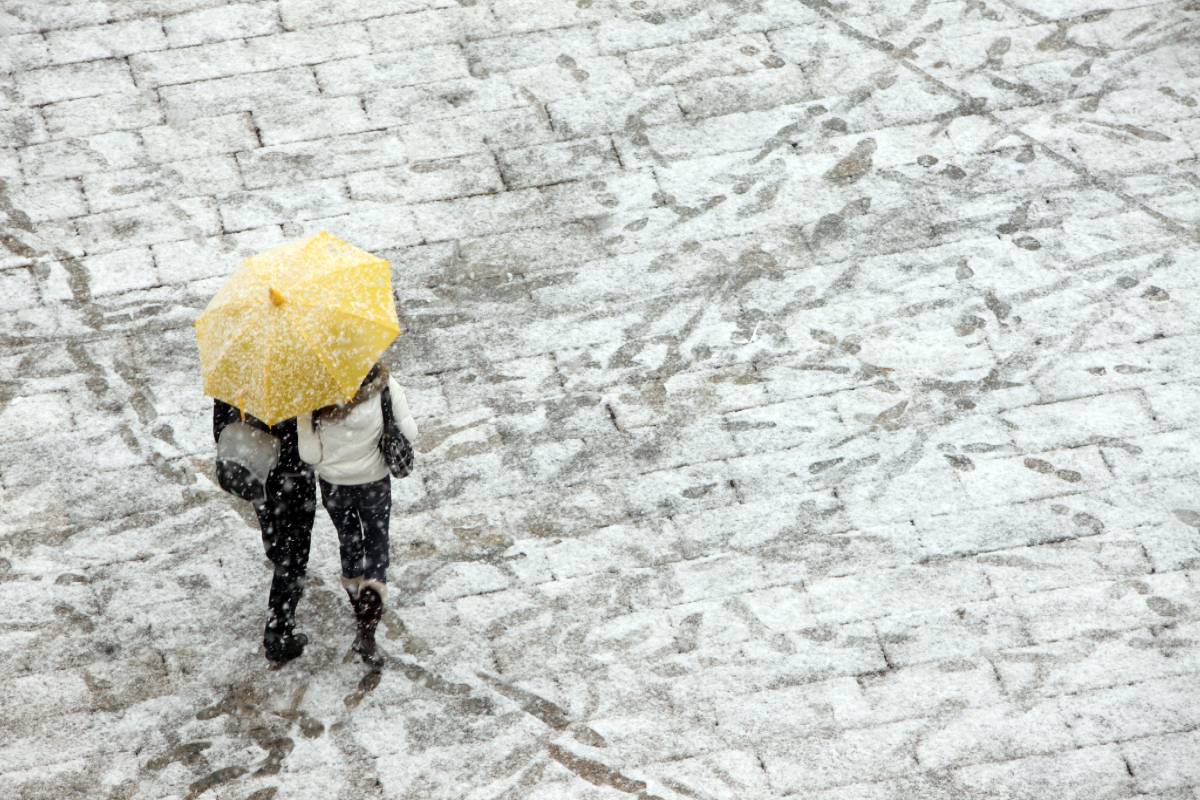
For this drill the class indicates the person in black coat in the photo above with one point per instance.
(286, 519)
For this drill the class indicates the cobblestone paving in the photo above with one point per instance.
(807, 388)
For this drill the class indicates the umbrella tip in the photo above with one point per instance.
(276, 296)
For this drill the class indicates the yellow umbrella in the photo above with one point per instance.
(297, 328)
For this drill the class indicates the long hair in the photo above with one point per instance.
(371, 385)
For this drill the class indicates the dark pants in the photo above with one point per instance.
(360, 513)
(286, 519)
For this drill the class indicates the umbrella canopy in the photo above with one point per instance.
(297, 328)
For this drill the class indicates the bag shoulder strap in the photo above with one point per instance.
(389, 421)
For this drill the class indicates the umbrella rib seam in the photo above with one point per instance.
(303, 328)
(229, 343)
(303, 304)
(266, 369)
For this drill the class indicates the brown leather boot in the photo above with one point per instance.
(368, 609)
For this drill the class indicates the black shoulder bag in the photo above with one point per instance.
(396, 449)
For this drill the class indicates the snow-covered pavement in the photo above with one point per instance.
(808, 393)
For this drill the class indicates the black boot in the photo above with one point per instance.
(368, 610)
(282, 649)
(280, 639)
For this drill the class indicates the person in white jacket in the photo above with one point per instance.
(342, 444)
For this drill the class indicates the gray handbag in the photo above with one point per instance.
(245, 457)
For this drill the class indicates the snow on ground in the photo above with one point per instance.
(808, 394)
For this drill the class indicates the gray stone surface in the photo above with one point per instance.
(808, 396)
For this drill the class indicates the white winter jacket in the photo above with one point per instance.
(346, 452)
